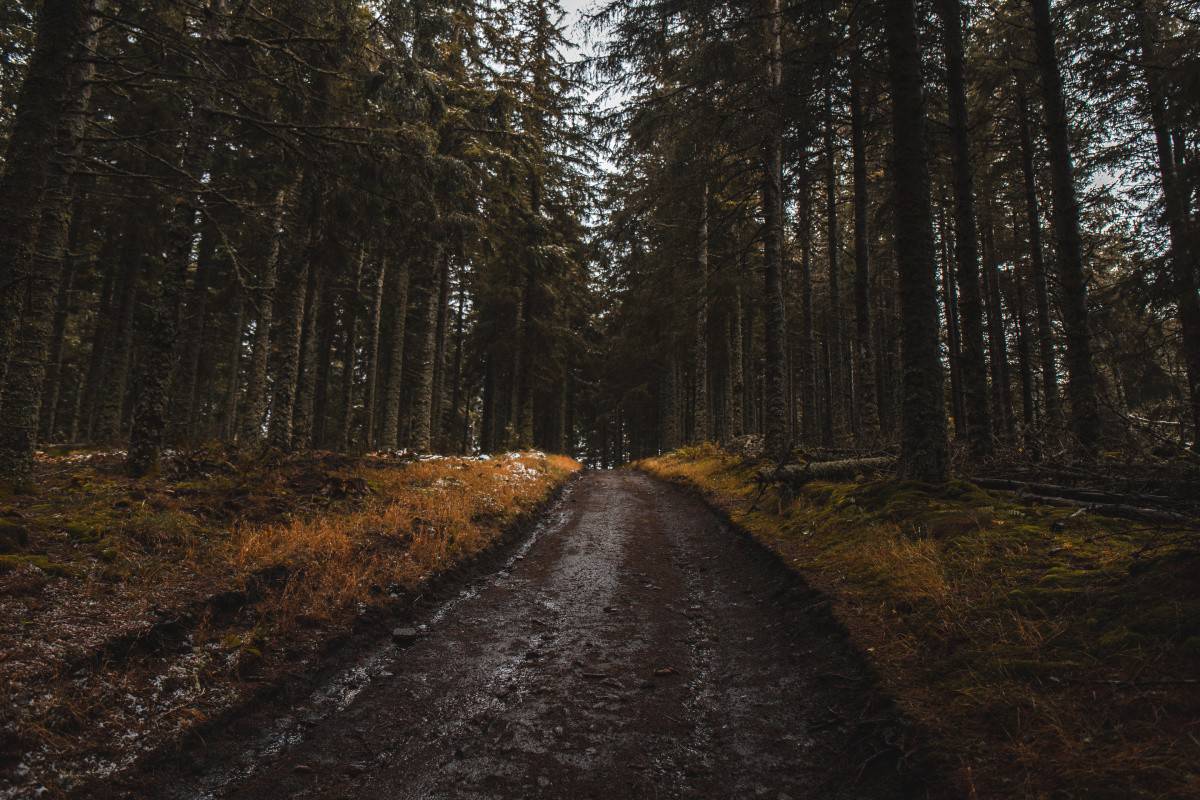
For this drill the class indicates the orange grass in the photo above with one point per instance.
(419, 519)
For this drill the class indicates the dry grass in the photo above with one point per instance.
(1049, 656)
(418, 520)
(146, 607)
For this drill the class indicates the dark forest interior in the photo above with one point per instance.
(257, 259)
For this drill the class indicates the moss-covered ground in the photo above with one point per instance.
(1046, 652)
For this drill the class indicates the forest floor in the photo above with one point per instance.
(1043, 651)
(132, 612)
(632, 646)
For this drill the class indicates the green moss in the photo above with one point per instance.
(9, 563)
(1066, 577)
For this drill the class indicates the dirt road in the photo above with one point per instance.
(633, 647)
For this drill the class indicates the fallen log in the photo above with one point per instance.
(799, 474)
(1152, 515)
(1071, 492)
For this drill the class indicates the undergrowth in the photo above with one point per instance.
(147, 607)
(1049, 653)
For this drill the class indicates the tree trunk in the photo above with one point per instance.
(437, 410)
(973, 370)
(737, 378)
(1184, 257)
(306, 382)
(118, 353)
(669, 406)
(233, 365)
(1037, 266)
(1081, 382)
(423, 386)
(183, 422)
(864, 361)
(457, 414)
(701, 428)
(51, 87)
(519, 393)
(35, 199)
(152, 406)
(106, 311)
(320, 367)
(391, 401)
(833, 316)
(349, 359)
(52, 386)
(923, 445)
(290, 330)
(953, 343)
(369, 396)
(1018, 304)
(776, 429)
(808, 361)
(1002, 408)
(255, 404)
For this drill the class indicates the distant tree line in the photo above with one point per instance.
(351, 225)
(855, 225)
(305, 224)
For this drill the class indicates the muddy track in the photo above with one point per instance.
(633, 647)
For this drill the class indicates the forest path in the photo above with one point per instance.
(634, 648)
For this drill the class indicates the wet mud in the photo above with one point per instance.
(632, 647)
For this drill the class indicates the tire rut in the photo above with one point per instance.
(634, 647)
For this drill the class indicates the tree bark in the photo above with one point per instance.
(35, 202)
(808, 361)
(776, 428)
(437, 410)
(349, 359)
(1081, 382)
(233, 362)
(423, 386)
(105, 314)
(371, 391)
(1037, 266)
(457, 413)
(183, 422)
(156, 366)
(391, 402)
(864, 361)
(923, 445)
(701, 429)
(954, 344)
(833, 316)
(306, 382)
(52, 385)
(51, 88)
(737, 378)
(290, 329)
(1002, 407)
(255, 402)
(1018, 304)
(1185, 262)
(973, 370)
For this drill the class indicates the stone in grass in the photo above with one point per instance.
(405, 635)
